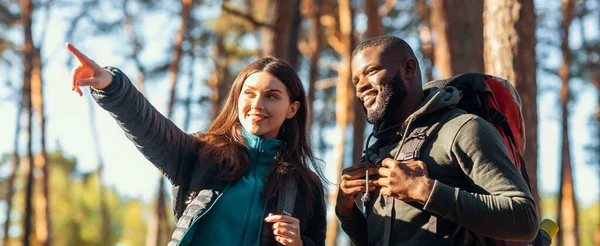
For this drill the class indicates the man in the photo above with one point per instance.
(462, 189)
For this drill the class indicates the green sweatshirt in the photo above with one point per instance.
(478, 192)
(237, 217)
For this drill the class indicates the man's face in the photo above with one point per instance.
(378, 82)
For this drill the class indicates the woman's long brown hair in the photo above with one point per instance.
(225, 146)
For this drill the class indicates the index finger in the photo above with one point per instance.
(358, 166)
(281, 218)
(80, 56)
(359, 173)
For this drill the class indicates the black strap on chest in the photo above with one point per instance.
(409, 150)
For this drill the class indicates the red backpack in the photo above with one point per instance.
(497, 101)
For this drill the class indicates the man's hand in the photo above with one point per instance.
(406, 181)
(353, 182)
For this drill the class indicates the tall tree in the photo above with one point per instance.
(567, 204)
(282, 29)
(191, 77)
(104, 211)
(425, 38)
(15, 160)
(136, 43)
(220, 79)
(374, 27)
(342, 42)
(7, 18)
(161, 224)
(456, 52)
(293, 52)
(313, 10)
(42, 215)
(42, 196)
(28, 55)
(510, 54)
(588, 70)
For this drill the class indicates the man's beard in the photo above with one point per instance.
(391, 95)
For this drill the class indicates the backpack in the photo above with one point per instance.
(497, 101)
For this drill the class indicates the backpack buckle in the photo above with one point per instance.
(190, 197)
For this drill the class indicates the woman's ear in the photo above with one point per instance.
(292, 110)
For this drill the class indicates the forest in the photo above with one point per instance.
(69, 176)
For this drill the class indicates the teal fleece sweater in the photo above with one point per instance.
(237, 217)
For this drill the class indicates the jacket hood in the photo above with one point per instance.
(435, 99)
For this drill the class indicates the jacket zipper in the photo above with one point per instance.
(250, 206)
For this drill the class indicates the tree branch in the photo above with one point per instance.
(335, 43)
(245, 16)
(333, 37)
(326, 83)
(305, 49)
(7, 16)
(385, 9)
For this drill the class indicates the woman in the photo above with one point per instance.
(231, 182)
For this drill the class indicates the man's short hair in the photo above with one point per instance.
(388, 43)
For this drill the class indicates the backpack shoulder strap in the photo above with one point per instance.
(417, 138)
(195, 175)
(411, 150)
(287, 196)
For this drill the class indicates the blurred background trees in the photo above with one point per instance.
(184, 55)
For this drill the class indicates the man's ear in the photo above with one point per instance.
(410, 69)
(293, 109)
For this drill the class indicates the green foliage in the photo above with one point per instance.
(75, 208)
(589, 218)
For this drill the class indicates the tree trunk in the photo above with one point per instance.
(219, 81)
(106, 235)
(104, 212)
(344, 107)
(425, 36)
(190, 89)
(456, 52)
(567, 203)
(510, 54)
(182, 35)
(28, 53)
(42, 214)
(292, 49)
(137, 46)
(313, 10)
(15, 168)
(374, 27)
(161, 224)
(278, 36)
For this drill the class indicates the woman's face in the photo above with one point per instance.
(264, 104)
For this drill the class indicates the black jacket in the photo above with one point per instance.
(172, 151)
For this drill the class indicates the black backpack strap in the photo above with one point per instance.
(411, 150)
(287, 196)
(193, 180)
(195, 176)
(419, 136)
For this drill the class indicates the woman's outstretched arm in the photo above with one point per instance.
(157, 138)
